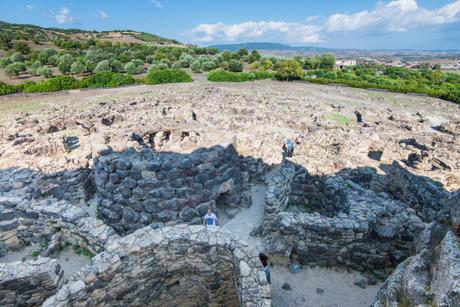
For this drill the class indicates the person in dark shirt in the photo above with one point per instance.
(264, 260)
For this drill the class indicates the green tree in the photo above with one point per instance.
(44, 71)
(254, 56)
(235, 65)
(196, 66)
(52, 60)
(327, 61)
(65, 62)
(17, 57)
(103, 65)
(289, 70)
(208, 65)
(312, 62)
(15, 69)
(77, 68)
(90, 66)
(116, 66)
(243, 51)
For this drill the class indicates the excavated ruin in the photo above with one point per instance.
(134, 202)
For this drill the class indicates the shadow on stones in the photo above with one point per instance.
(136, 188)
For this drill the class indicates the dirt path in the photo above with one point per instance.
(248, 219)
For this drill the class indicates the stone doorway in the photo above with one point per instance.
(221, 208)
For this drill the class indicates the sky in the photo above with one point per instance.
(360, 24)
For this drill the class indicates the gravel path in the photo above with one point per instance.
(320, 287)
(248, 219)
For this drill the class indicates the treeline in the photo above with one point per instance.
(427, 81)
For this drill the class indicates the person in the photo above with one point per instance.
(289, 147)
(210, 219)
(299, 140)
(264, 260)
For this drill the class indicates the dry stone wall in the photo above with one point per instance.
(173, 266)
(358, 227)
(28, 283)
(139, 188)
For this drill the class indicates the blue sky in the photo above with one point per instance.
(364, 24)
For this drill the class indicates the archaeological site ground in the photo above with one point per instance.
(103, 193)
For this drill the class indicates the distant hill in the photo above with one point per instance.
(269, 47)
(36, 34)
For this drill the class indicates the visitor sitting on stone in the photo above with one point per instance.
(210, 219)
(264, 259)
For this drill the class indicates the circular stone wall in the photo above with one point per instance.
(139, 188)
(174, 266)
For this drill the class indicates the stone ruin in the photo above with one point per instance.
(137, 189)
(150, 249)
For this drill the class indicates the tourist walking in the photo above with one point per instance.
(264, 259)
(210, 219)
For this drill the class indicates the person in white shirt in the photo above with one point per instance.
(210, 219)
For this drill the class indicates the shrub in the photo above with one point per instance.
(185, 60)
(116, 66)
(133, 69)
(102, 66)
(168, 76)
(207, 66)
(57, 83)
(77, 68)
(6, 89)
(261, 75)
(32, 71)
(17, 57)
(227, 76)
(65, 62)
(149, 59)
(5, 62)
(107, 79)
(90, 66)
(196, 66)
(289, 70)
(44, 55)
(159, 66)
(166, 61)
(235, 65)
(44, 71)
(15, 69)
(52, 60)
(176, 65)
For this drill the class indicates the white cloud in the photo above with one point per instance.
(389, 16)
(250, 30)
(63, 16)
(157, 3)
(102, 15)
(394, 16)
(29, 7)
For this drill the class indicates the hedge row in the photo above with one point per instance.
(228, 76)
(99, 80)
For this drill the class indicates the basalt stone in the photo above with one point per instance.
(168, 193)
(188, 214)
(129, 183)
(123, 164)
(153, 206)
(153, 166)
(149, 184)
(129, 216)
